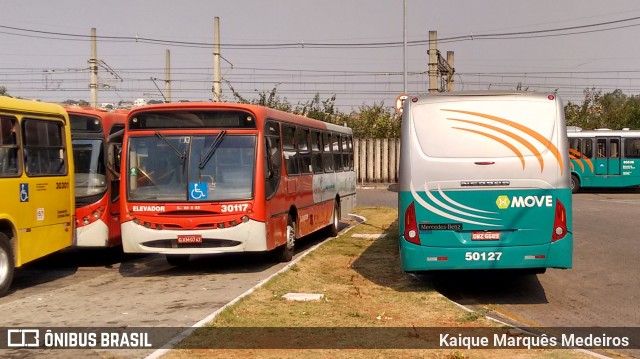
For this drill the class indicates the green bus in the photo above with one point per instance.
(604, 158)
(484, 183)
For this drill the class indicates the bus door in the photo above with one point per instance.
(607, 161)
(114, 149)
(275, 207)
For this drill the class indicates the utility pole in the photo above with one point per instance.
(450, 59)
(93, 69)
(433, 62)
(217, 92)
(167, 76)
(404, 45)
(439, 68)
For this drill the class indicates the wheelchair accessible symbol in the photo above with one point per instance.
(198, 191)
(24, 192)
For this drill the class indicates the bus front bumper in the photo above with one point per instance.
(245, 237)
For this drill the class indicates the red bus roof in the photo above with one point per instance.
(260, 113)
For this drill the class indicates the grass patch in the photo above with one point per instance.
(363, 287)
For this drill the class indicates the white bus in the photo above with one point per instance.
(484, 182)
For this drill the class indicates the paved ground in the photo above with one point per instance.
(97, 288)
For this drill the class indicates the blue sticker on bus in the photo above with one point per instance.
(198, 191)
(24, 192)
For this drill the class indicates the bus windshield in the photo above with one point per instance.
(165, 176)
(90, 173)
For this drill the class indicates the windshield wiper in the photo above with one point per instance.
(214, 146)
(182, 155)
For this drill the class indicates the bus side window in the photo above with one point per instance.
(44, 151)
(602, 147)
(272, 158)
(632, 147)
(290, 150)
(304, 152)
(614, 148)
(8, 147)
(587, 151)
(316, 149)
(345, 152)
(327, 156)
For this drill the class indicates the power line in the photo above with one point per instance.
(333, 45)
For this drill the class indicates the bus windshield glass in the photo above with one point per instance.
(158, 173)
(90, 172)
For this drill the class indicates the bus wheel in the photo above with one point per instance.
(284, 253)
(6, 264)
(178, 259)
(334, 227)
(575, 184)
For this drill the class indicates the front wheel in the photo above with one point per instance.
(7, 264)
(177, 259)
(284, 253)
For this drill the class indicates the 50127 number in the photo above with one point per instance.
(482, 256)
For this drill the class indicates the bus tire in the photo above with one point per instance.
(7, 265)
(177, 259)
(575, 184)
(284, 253)
(334, 227)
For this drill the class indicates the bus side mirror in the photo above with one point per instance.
(114, 156)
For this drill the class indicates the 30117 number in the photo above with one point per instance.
(226, 208)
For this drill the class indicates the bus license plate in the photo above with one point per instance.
(485, 236)
(189, 239)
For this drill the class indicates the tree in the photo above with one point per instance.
(613, 110)
(3, 91)
(587, 115)
(375, 121)
(267, 99)
(320, 110)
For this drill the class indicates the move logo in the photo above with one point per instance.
(503, 202)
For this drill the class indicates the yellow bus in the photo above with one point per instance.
(36, 182)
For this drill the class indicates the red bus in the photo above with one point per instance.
(203, 178)
(93, 131)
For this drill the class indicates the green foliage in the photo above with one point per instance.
(267, 99)
(70, 102)
(375, 121)
(320, 110)
(613, 110)
(3, 91)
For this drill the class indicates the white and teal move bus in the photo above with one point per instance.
(604, 158)
(484, 182)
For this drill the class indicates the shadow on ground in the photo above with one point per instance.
(380, 263)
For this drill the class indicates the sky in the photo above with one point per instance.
(352, 49)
